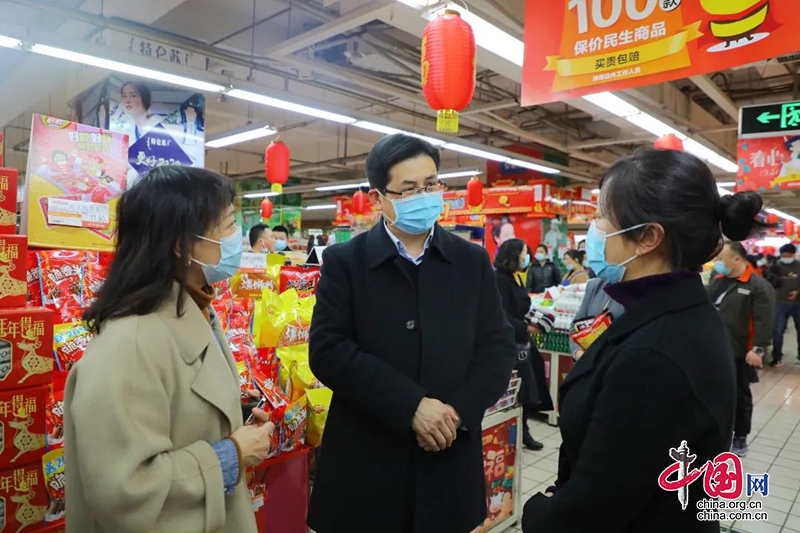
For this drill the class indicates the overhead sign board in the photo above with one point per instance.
(769, 120)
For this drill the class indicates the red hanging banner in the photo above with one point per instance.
(579, 47)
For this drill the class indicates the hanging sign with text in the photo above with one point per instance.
(579, 47)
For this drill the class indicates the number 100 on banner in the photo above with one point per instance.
(579, 47)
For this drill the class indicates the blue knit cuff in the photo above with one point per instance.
(229, 460)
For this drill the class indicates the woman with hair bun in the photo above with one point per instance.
(662, 374)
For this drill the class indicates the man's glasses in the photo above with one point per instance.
(413, 191)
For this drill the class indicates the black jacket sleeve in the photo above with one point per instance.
(366, 382)
(493, 357)
(763, 313)
(513, 298)
(556, 274)
(644, 429)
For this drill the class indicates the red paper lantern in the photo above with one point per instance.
(266, 209)
(772, 219)
(448, 68)
(669, 142)
(474, 192)
(360, 203)
(276, 165)
(788, 228)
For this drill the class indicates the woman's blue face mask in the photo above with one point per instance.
(596, 254)
(230, 258)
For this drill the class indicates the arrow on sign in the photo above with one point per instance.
(766, 117)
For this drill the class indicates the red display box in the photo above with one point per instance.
(26, 347)
(9, 178)
(23, 426)
(24, 499)
(13, 271)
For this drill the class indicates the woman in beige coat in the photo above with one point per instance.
(154, 437)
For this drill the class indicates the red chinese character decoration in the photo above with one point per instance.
(719, 479)
(448, 68)
(788, 228)
(668, 142)
(266, 209)
(276, 165)
(474, 194)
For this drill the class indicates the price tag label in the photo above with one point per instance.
(76, 214)
(253, 262)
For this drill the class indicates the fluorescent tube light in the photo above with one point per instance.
(613, 104)
(726, 184)
(243, 136)
(459, 174)
(320, 207)
(476, 153)
(488, 36)
(10, 42)
(125, 68)
(418, 4)
(652, 125)
(289, 106)
(532, 166)
(342, 186)
(595, 191)
(387, 130)
(725, 164)
(260, 194)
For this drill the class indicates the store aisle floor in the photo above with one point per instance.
(774, 448)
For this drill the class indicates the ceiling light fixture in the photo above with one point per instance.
(388, 130)
(289, 106)
(483, 154)
(726, 184)
(10, 42)
(532, 166)
(320, 207)
(342, 186)
(260, 194)
(783, 215)
(459, 174)
(241, 135)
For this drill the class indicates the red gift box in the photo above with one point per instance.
(9, 177)
(13, 270)
(23, 497)
(23, 426)
(26, 347)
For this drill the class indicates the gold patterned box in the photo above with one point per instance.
(26, 348)
(23, 499)
(9, 178)
(23, 426)
(13, 270)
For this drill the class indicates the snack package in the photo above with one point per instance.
(276, 401)
(223, 290)
(244, 351)
(69, 343)
(257, 273)
(295, 422)
(302, 379)
(55, 478)
(319, 402)
(241, 315)
(303, 279)
(24, 497)
(95, 274)
(222, 309)
(264, 368)
(23, 426)
(288, 357)
(9, 178)
(258, 491)
(13, 270)
(34, 278)
(62, 282)
(284, 320)
(55, 411)
(26, 347)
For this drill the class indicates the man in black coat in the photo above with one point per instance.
(410, 335)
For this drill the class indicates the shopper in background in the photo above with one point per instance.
(153, 422)
(281, 234)
(543, 273)
(576, 273)
(512, 257)
(746, 303)
(663, 372)
(596, 303)
(787, 286)
(413, 359)
(262, 239)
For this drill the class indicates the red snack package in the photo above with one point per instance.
(69, 343)
(223, 290)
(23, 492)
(243, 350)
(277, 402)
(55, 478)
(303, 279)
(62, 282)
(264, 368)
(34, 275)
(222, 309)
(295, 422)
(95, 275)
(241, 313)
(55, 411)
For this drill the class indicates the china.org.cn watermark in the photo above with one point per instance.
(724, 483)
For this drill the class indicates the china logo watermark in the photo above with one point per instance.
(723, 479)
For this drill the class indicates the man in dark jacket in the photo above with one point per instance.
(787, 286)
(543, 273)
(409, 333)
(746, 302)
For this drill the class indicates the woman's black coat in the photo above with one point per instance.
(662, 373)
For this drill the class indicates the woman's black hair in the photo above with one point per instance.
(507, 258)
(575, 255)
(543, 247)
(143, 90)
(158, 220)
(677, 190)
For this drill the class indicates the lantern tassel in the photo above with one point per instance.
(277, 188)
(447, 121)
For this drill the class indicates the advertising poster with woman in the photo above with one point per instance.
(166, 126)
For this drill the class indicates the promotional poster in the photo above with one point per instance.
(499, 454)
(579, 47)
(768, 164)
(165, 125)
(76, 174)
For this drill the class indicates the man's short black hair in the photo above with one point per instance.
(281, 228)
(788, 249)
(394, 149)
(738, 249)
(256, 232)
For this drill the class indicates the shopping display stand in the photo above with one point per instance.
(557, 365)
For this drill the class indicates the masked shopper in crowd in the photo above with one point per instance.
(786, 280)
(512, 257)
(153, 422)
(663, 372)
(543, 273)
(576, 273)
(409, 332)
(262, 239)
(281, 234)
(746, 303)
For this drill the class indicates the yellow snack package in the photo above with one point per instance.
(319, 401)
(288, 357)
(257, 274)
(284, 320)
(302, 379)
(295, 422)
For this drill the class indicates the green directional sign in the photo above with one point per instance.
(770, 120)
